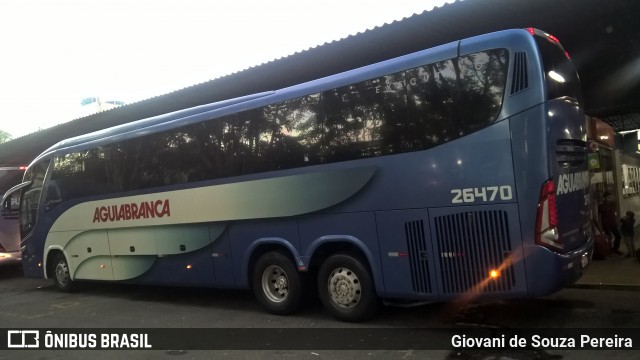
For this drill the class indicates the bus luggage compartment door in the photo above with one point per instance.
(478, 250)
(405, 248)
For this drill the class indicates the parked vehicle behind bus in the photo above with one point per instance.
(8, 175)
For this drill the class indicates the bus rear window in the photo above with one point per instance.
(560, 73)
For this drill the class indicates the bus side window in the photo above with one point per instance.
(284, 136)
(207, 151)
(456, 97)
(365, 119)
(483, 80)
(431, 103)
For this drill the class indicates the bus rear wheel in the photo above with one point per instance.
(277, 284)
(61, 274)
(346, 288)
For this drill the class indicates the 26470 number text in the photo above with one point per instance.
(482, 194)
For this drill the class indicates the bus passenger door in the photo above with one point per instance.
(406, 253)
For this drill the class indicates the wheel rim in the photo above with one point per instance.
(62, 273)
(344, 288)
(275, 284)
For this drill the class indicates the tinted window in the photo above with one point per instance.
(208, 152)
(79, 174)
(481, 88)
(560, 73)
(406, 111)
(452, 98)
(432, 111)
(365, 119)
(282, 136)
(150, 161)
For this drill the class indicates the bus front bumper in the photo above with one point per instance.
(9, 258)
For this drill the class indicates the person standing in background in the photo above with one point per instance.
(627, 228)
(609, 220)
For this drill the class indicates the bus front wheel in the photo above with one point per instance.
(61, 275)
(277, 283)
(346, 288)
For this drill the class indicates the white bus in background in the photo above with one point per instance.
(11, 204)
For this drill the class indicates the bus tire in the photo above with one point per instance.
(61, 274)
(346, 288)
(277, 284)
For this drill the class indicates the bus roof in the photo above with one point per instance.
(142, 124)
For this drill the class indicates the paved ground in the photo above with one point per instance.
(35, 303)
(614, 271)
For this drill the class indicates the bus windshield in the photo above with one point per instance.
(30, 198)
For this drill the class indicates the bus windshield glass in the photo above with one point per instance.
(31, 196)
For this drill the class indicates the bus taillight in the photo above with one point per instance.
(547, 221)
(553, 38)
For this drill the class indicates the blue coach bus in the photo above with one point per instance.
(450, 172)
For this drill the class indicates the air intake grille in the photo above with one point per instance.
(520, 73)
(571, 153)
(418, 256)
(470, 245)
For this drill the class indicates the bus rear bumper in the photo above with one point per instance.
(549, 271)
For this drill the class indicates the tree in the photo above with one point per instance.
(5, 136)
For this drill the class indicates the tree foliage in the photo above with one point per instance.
(5, 136)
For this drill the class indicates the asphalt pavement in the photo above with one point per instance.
(615, 271)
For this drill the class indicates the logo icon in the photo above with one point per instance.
(22, 339)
